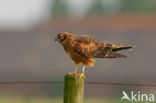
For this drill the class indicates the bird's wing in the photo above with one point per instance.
(88, 46)
(108, 53)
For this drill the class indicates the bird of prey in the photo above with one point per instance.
(82, 49)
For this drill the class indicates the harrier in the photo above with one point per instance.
(82, 49)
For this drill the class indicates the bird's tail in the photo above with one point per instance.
(115, 55)
(121, 47)
(110, 52)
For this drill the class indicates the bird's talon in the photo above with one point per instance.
(72, 73)
(82, 75)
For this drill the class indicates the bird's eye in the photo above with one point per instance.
(62, 37)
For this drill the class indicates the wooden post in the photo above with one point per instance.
(73, 89)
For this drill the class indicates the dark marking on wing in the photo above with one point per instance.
(108, 53)
(105, 52)
(88, 46)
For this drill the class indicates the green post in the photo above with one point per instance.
(73, 89)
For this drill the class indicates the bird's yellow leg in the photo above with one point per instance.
(75, 71)
(83, 70)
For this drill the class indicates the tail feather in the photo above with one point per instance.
(115, 55)
(120, 47)
(110, 52)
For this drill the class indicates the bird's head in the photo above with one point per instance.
(61, 37)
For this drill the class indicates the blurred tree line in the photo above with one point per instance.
(106, 6)
(138, 6)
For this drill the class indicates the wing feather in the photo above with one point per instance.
(88, 46)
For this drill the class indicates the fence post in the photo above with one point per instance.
(73, 89)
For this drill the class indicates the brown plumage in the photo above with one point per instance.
(82, 49)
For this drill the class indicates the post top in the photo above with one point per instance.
(73, 76)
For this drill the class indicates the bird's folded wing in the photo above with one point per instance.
(88, 47)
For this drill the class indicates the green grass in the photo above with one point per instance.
(38, 99)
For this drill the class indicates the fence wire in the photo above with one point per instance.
(97, 83)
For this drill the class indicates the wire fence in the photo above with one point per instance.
(98, 83)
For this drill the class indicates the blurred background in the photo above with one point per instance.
(28, 51)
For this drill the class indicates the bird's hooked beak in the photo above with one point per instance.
(56, 39)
